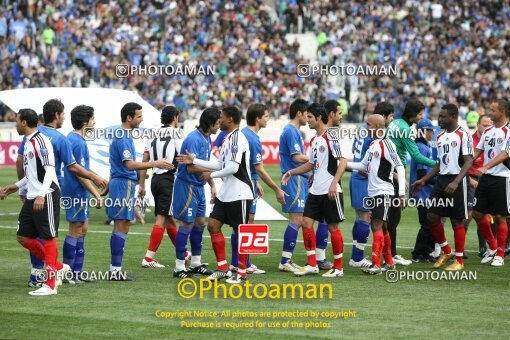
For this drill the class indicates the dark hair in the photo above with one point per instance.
(412, 108)
(503, 105)
(169, 114)
(234, 113)
(129, 110)
(451, 109)
(41, 118)
(481, 117)
(298, 105)
(255, 111)
(331, 105)
(318, 110)
(81, 115)
(384, 109)
(30, 116)
(208, 118)
(51, 108)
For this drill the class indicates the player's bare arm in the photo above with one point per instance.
(307, 167)
(143, 172)
(468, 162)
(280, 194)
(416, 186)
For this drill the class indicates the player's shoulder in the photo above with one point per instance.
(487, 129)
(464, 132)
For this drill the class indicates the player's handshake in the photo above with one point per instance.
(163, 164)
(185, 159)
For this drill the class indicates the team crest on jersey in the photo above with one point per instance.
(376, 154)
(259, 157)
(44, 152)
(454, 144)
(490, 153)
(322, 148)
(126, 154)
(30, 154)
(296, 147)
(234, 148)
(499, 140)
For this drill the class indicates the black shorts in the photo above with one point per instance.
(491, 196)
(42, 223)
(395, 213)
(381, 207)
(232, 213)
(162, 187)
(470, 195)
(321, 208)
(455, 206)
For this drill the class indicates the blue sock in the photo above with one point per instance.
(195, 239)
(181, 242)
(69, 251)
(355, 251)
(36, 264)
(248, 262)
(362, 237)
(80, 255)
(289, 241)
(117, 241)
(233, 246)
(321, 236)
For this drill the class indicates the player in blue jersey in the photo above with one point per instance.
(292, 155)
(53, 114)
(188, 202)
(257, 117)
(123, 178)
(359, 189)
(76, 190)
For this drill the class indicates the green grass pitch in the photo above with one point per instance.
(406, 309)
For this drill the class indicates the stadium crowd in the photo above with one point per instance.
(456, 52)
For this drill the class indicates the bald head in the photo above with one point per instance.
(375, 126)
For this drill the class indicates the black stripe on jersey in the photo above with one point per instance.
(332, 164)
(242, 173)
(392, 152)
(233, 142)
(42, 145)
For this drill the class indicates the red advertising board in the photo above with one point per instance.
(8, 153)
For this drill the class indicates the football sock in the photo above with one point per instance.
(387, 249)
(218, 244)
(69, 250)
(377, 246)
(195, 239)
(437, 230)
(181, 241)
(172, 232)
(80, 255)
(51, 261)
(502, 233)
(362, 238)
(309, 240)
(154, 241)
(321, 241)
(234, 245)
(337, 243)
(484, 226)
(117, 241)
(459, 233)
(289, 241)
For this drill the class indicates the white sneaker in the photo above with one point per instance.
(44, 290)
(397, 259)
(307, 270)
(360, 264)
(236, 279)
(254, 270)
(334, 273)
(497, 261)
(488, 256)
(289, 266)
(232, 269)
(151, 264)
(62, 274)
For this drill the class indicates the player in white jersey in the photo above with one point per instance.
(449, 197)
(40, 214)
(492, 194)
(233, 202)
(380, 160)
(325, 199)
(167, 144)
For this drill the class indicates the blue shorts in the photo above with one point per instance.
(78, 213)
(188, 201)
(359, 190)
(297, 191)
(253, 208)
(120, 205)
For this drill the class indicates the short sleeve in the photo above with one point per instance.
(294, 143)
(21, 148)
(125, 150)
(45, 152)
(256, 153)
(390, 153)
(237, 148)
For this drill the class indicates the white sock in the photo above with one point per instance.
(179, 265)
(115, 269)
(150, 254)
(196, 261)
(320, 254)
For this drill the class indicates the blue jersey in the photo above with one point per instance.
(426, 151)
(71, 185)
(255, 150)
(122, 149)
(199, 144)
(61, 149)
(220, 138)
(291, 143)
(360, 147)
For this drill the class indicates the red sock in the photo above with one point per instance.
(218, 244)
(459, 232)
(484, 225)
(337, 243)
(309, 240)
(502, 231)
(242, 259)
(437, 231)
(387, 249)
(51, 261)
(377, 243)
(156, 237)
(36, 248)
(172, 232)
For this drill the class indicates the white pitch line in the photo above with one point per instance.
(206, 236)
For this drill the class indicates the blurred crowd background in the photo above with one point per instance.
(446, 51)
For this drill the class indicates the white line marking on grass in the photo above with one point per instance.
(206, 236)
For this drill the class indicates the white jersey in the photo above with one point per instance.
(494, 141)
(451, 149)
(324, 154)
(37, 153)
(237, 186)
(381, 159)
(167, 145)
